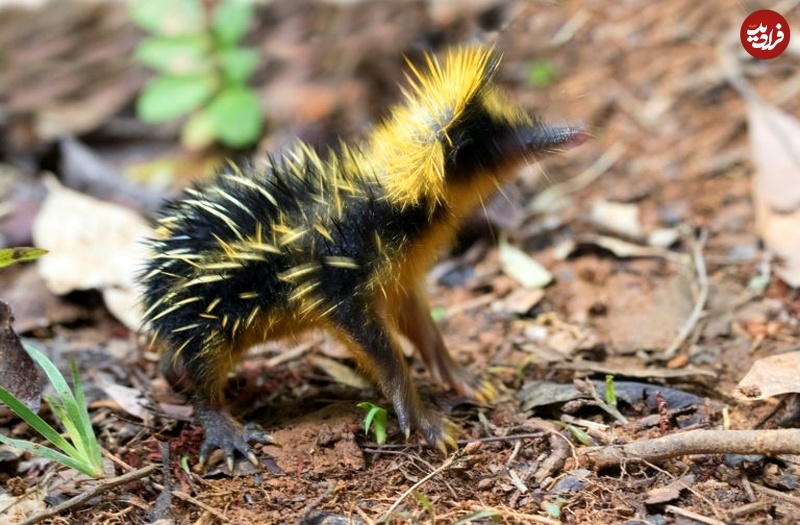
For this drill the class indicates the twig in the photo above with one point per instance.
(748, 509)
(314, 504)
(211, 510)
(388, 447)
(444, 466)
(693, 515)
(587, 387)
(80, 499)
(767, 442)
(702, 297)
(788, 498)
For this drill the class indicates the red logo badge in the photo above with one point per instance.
(764, 34)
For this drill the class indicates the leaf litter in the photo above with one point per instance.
(671, 144)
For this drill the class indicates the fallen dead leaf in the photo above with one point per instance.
(646, 315)
(341, 373)
(522, 267)
(92, 244)
(18, 373)
(771, 376)
(521, 300)
(15, 510)
(618, 247)
(669, 492)
(775, 149)
(129, 399)
(617, 217)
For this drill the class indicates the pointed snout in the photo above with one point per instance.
(541, 138)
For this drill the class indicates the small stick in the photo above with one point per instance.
(693, 515)
(211, 510)
(788, 498)
(80, 499)
(768, 442)
(702, 297)
(441, 468)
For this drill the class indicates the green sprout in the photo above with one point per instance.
(541, 73)
(9, 256)
(202, 70)
(83, 453)
(611, 393)
(377, 416)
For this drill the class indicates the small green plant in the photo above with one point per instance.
(9, 256)
(541, 73)
(83, 454)
(611, 392)
(202, 70)
(377, 416)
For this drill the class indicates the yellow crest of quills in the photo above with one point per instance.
(339, 240)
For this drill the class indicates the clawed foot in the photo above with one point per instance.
(467, 385)
(223, 433)
(439, 431)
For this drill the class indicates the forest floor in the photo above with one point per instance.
(661, 275)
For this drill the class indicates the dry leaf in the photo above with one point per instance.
(129, 399)
(18, 373)
(17, 509)
(771, 376)
(521, 300)
(775, 144)
(522, 268)
(669, 492)
(341, 373)
(620, 248)
(92, 244)
(617, 217)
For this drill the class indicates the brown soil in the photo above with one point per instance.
(652, 82)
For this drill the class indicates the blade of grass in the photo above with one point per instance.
(69, 426)
(39, 424)
(87, 433)
(49, 453)
(53, 375)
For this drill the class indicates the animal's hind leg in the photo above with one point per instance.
(203, 372)
(416, 323)
(375, 348)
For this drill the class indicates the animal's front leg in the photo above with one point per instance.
(378, 353)
(417, 324)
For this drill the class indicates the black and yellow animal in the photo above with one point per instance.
(341, 241)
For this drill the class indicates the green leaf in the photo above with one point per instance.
(236, 115)
(580, 435)
(36, 422)
(541, 73)
(168, 17)
(49, 453)
(553, 509)
(177, 55)
(165, 98)
(611, 393)
(370, 408)
(424, 501)
(438, 314)
(9, 256)
(238, 64)
(377, 415)
(477, 515)
(83, 453)
(81, 414)
(231, 20)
